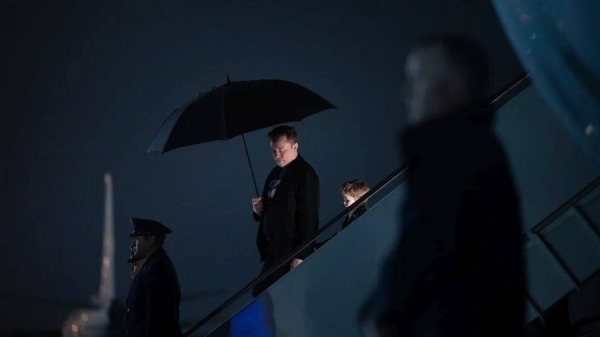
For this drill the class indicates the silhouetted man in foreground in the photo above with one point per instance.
(458, 267)
(288, 210)
(154, 295)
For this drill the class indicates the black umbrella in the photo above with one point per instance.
(234, 109)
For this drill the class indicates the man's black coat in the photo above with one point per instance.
(458, 267)
(291, 216)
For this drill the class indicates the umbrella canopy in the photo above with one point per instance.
(234, 109)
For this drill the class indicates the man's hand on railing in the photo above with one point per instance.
(296, 262)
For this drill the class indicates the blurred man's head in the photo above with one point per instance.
(284, 144)
(443, 75)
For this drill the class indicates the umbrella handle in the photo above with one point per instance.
(250, 163)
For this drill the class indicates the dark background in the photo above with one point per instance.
(86, 86)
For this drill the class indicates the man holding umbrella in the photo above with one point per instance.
(288, 210)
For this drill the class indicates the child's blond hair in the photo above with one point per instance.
(355, 188)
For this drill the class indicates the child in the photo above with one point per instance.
(352, 191)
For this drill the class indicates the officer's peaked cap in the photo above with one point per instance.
(143, 227)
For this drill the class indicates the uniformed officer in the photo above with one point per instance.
(154, 295)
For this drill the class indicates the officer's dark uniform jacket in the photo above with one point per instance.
(154, 297)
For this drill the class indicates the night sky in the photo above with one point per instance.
(86, 87)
